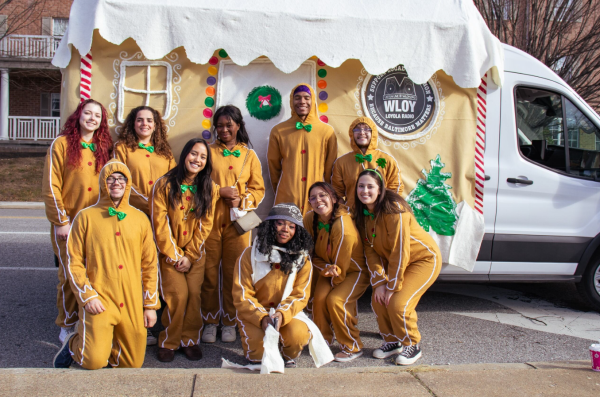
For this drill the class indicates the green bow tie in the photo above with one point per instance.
(381, 162)
(148, 148)
(90, 146)
(193, 188)
(324, 226)
(361, 159)
(367, 213)
(236, 153)
(119, 214)
(307, 127)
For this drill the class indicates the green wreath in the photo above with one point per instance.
(264, 102)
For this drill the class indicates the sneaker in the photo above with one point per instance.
(65, 331)
(409, 355)
(151, 340)
(387, 349)
(343, 357)
(209, 335)
(63, 358)
(290, 364)
(228, 333)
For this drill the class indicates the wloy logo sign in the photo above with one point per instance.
(401, 109)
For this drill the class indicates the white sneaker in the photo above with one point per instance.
(409, 355)
(66, 331)
(387, 349)
(343, 357)
(151, 340)
(228, 333)
(209, 335)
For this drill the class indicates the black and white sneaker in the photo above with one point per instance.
(409, 355)
(63, 358)
(387, 349)
(290, 364)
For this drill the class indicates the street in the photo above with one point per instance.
(460, 324)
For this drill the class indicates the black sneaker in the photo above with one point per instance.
(387, 349)
(409, 355)
(290, 364)
(63, 358)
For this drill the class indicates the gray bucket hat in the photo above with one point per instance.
(286, 211)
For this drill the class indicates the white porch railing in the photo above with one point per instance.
(28, 46)
(21, 127)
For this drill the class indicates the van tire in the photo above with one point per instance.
(589, 287)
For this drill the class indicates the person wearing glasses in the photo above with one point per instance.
(70, 184)
(237, 169)
(113, 273)
(364, 155)
(343, 277)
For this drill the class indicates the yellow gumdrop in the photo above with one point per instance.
(206, 124)
(212, 71)
(323, 107)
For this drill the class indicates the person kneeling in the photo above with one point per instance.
(274, 273)
(113, 273)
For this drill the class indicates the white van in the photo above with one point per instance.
(542, 189)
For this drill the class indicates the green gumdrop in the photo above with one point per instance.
(322, 73)
(223, 53)
(210, 102)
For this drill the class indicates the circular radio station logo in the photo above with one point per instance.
(397, 105)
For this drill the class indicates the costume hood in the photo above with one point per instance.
(374, 134)
(111, 167)
(312, 117)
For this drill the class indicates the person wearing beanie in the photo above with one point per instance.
(113, 273)
(364, 155)
(301, 150)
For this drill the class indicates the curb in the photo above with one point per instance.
(22, 205)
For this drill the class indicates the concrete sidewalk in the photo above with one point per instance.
(569, 378)
(24, 205)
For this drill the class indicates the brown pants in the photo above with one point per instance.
(294, 336)
(182, 318)
(222, 252)
(66, 303)
(398, 321)
(336, 307)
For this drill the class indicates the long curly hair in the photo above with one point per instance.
(203, 181)
(301, 244)
(388, 201)
(159, 137)
(101, 139)
(334, 214)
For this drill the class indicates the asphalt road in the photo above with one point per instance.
(30, 338)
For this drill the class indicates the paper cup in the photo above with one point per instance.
(595, 355)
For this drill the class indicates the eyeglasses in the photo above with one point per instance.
(321, 196)
(362, 130)
(110, 180)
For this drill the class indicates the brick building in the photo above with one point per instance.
(30, 31)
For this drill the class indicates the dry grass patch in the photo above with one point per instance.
(21, 178)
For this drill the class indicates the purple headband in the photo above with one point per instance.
(302, 88)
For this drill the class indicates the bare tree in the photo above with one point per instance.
(17, 15)
(563, 34)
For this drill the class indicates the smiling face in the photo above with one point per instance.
(321, 201)
(367, 190)
(144, 124)
(91, 116)
(362, 135)
(116, 185)
(302, 103)
(285, 230)
(196, 160)
(227, 130)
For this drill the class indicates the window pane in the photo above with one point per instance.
(540, 127)
(59, 26)
(584, 156)
(55, 105)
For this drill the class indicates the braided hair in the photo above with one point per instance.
(334, 213)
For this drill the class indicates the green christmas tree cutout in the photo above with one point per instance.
(432, 202)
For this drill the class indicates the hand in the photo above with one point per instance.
(149, 318)
(229, 193)
(233, 203)
(62, 232)
(183, 265)
(388, 296)
(331, 271)
(379, 294)
(94, 306)
(265, 322)
(279, 318)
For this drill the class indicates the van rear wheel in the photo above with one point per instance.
(589, 286)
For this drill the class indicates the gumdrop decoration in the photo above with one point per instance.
(432, 202)
(264, 102)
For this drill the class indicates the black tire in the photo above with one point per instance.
(589, 287)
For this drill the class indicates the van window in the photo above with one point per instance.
(584, 153)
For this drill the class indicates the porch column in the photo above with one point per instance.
(3, 104)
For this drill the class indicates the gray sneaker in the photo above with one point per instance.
(65, 331)
(209, 335)
(228, 333)
(151, 340)
(387, 349)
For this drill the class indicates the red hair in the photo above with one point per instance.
(101, 139)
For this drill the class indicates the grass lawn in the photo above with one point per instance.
(21, 178)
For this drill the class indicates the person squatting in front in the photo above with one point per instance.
(342, 272)
(301, 150)
(274, 273)
(236, 168)
(113, 273)
(364, 155)
(70, 183)
(183, 203)
(403, 260)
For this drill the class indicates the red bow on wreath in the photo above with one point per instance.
(264, 100)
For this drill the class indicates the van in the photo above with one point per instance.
(542, 187)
